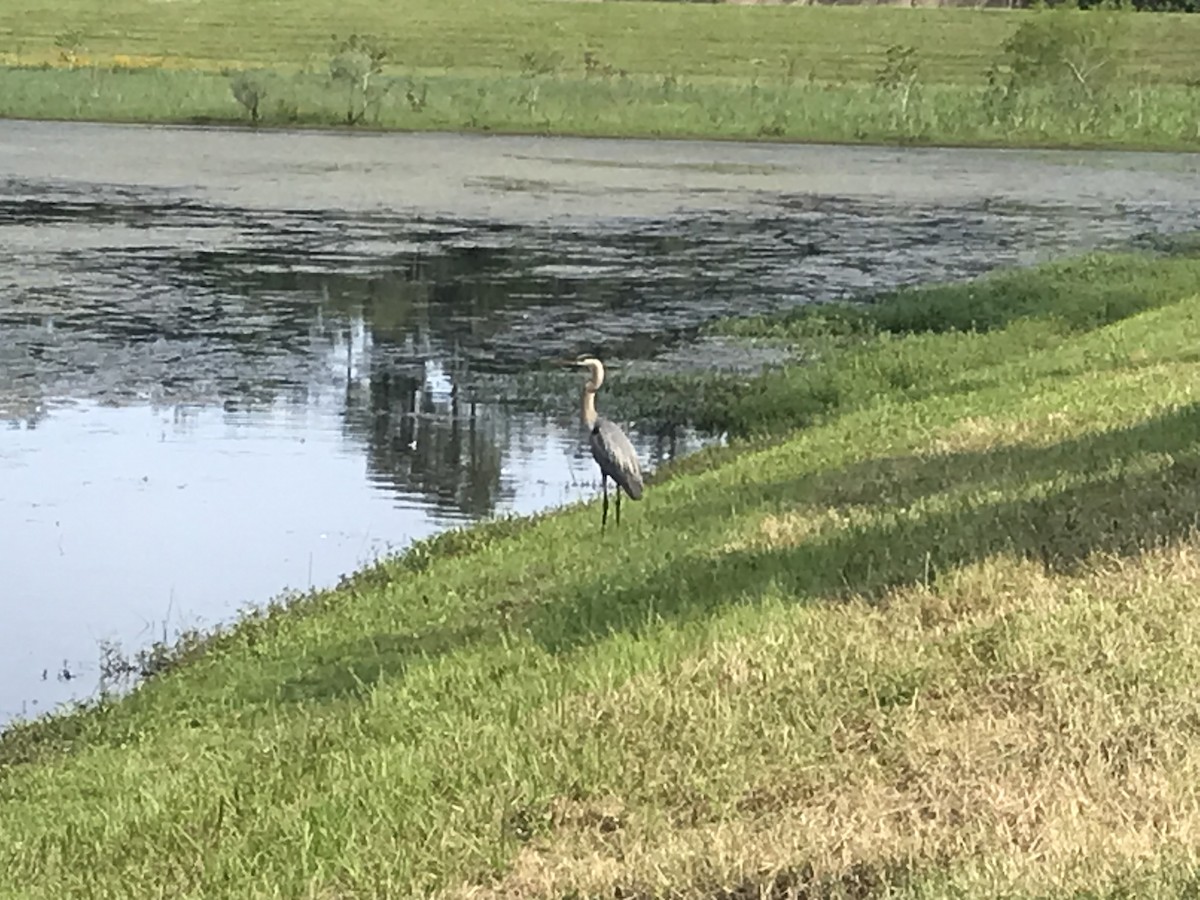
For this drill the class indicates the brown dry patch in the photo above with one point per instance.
(604, 815)
(1034, 771)
(980, 590)
(980, 433)
(985, 800)
(992, 824)
(777, 531)
(696, 864)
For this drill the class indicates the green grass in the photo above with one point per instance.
(670, 69)
(942, 642)
(1163, 118)
(680, 39)
(917, 341)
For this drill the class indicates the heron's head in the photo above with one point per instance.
(595, 370)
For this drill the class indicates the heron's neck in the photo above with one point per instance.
(589, 407)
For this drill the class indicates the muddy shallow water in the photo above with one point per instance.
(234, 362)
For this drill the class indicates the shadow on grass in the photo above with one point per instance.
(1117, 492)
(1094, 498)
(349, 668)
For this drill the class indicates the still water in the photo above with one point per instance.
(234, 363)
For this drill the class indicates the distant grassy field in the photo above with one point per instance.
(687, 40)
(941, 642)
(678, 69)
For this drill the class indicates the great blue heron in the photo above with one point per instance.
(610, 447)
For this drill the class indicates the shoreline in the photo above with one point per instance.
(975, 490)
(366, 131)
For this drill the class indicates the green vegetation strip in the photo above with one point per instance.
(647, 69)
(940, 642)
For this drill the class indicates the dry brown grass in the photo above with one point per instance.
(1041, 756)
(982, 433)
(791, 528)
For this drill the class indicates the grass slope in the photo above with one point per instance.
(942, 642)
(679, 69)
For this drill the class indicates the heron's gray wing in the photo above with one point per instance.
(616, 457)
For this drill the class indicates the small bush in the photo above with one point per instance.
(1079, 53)
(416, 95)
(595, 67)
(249, 89)
(1060, 69)
(70, 46)
(898, 75)
(354, 64)
(541, 62)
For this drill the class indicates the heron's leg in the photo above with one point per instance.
(618, 504)
(604, 515)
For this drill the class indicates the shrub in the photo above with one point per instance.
(354, 64)
(249, 89)
(1079, 53)
(541, 62)
(898, 74)
(70, 46)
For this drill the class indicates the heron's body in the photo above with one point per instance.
(611, 449)
(616, 457)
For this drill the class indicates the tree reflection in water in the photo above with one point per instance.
(138, 298)
(420, 438)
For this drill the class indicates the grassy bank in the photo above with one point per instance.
(1158, 118)
(940, 642)
(645, 69)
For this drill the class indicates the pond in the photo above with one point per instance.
(234, 363)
